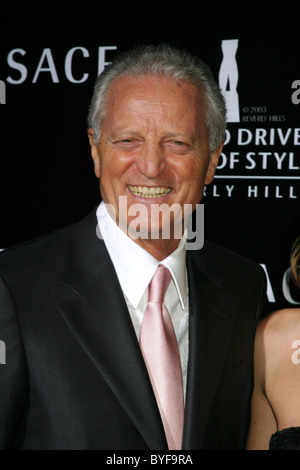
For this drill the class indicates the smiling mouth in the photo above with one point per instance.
(153, 192)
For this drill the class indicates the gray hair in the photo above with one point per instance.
(295, 261)
(165, 61)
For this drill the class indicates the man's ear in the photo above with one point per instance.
(94, 152)
(213, 163)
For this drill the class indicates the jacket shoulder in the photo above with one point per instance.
(50, 248)
(223, 257)
(227, 267)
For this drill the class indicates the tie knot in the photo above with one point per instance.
(159, 284)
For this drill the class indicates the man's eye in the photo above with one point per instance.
(126, 144)
(177, 146)
(123, 141)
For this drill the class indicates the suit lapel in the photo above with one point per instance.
(211, 315)
(97, 314)
(93, 306)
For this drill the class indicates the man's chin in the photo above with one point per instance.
(154, 233)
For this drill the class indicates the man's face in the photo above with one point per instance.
(153, 149)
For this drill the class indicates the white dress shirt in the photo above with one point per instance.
(135, 268)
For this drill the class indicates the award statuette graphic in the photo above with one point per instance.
(2, 92)
(228, 79)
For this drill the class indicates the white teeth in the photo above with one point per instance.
(146, 192)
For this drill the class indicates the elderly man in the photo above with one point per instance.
(120, 337)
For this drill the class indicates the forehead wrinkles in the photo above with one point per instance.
(154, 101)
(139, 116)
(152, 113)
(151, 88)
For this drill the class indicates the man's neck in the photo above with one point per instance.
(159, 249)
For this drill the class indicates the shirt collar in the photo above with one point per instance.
(134, 266)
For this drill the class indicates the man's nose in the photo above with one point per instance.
(152, 162)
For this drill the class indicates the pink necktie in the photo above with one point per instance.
(161, 354)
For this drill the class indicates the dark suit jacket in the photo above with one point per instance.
(74, 376)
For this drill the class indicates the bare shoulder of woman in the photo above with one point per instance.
(284, 322)
(277, 339)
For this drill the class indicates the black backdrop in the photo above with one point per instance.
(50, 55)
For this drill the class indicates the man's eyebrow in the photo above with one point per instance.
(122, 131)
(186, 134)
